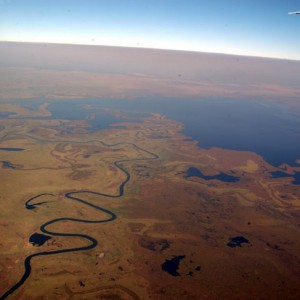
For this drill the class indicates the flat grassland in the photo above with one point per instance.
(138, 210)
(163, 213)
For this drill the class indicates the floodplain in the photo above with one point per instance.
(102, 199)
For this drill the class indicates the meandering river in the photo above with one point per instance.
(79, 197)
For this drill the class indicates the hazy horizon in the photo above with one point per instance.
(250, 27)
(150, 48)
(122, 72)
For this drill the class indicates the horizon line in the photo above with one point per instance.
(154, 48)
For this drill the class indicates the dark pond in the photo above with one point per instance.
(33, 206)
(38, 239)
(191, 273)
(194, 172)
(7, 164)
(171, 266)
(280, 174)
(237, 241)
(12, 149)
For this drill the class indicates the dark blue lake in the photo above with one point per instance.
(98, 118)
(279, 174)
(269, 129)
(237, 241)
(194, 172)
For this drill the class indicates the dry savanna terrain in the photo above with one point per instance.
(163, 214)
(139, 210)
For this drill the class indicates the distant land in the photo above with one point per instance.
(58, 71)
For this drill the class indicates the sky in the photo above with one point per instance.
(242, 27)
